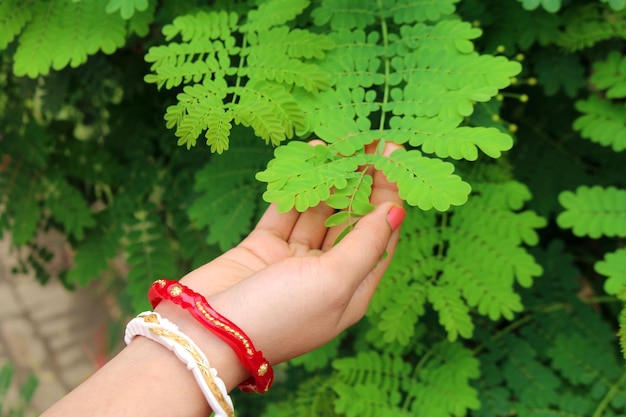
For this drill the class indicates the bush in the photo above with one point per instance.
(505, 294)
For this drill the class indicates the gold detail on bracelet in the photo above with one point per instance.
(226, 327)
(262, 369)
(160, 283)
(204, 367)
(176, 290)
(150, 318)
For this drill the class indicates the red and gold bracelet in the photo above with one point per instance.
(253, 360)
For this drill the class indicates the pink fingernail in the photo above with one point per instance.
(395, 216)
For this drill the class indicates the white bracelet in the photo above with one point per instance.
(151, 325)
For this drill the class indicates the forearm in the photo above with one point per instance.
(146, 379)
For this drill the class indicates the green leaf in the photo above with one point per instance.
(66, 34)
(610, 75)
(227, 201)
(127, 8)
(202, 26)
(602, 122)
(445, 140)
(613, 266)
(551, 6)
(558, 71)
(453, 312)
(94, 253)
(297, 178)
(344, 14)
(14, 15)
(423, 182)
(405, 11)
(149, 256)
(594, 211)
(68, 206)
(273, 13)
(286, 71)
(295, 43)
(442, 387)
(452, 34)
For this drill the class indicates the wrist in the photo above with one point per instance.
(220, 355)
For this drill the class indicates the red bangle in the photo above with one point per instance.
(253, 360)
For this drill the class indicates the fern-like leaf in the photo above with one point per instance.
(534, 382)
(228, 195)
(259, 92)
(369, 384)
(613, 266)
(273, 13)
(454, 314)
(442, 387)
(68, 207)
(20, 209)
(295, 43)
(423, 182)
(345, 14)
(551, 6)
(478, 259)
(557, 72)
(14, 15)
(148, 255)
(610, 75)
(405, 11)
(126, 8)
(299, 178)
(445, 140)
(202, 25)
(66, 34)
(594, 211)
(615, 4)
(436, 81)
(590, 24)
(450, 34)
(312, 398)
(93, 255)
(602, 122)
(286, 71)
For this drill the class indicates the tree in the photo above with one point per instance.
(512, 119)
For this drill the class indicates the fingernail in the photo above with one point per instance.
(395, 216)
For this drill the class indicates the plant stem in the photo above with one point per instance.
(385, 35)
(613, 391)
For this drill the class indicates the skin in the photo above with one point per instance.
(286, 285)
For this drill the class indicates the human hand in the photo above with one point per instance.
(288, 286)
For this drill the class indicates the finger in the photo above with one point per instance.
(310, 229)
(382, 189)
(357, 255)
(277, 223)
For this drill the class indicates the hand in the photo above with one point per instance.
(288, 287)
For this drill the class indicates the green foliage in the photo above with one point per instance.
(510, 118)
(53, 36)
(594, 211)
(250, 83)
(602, 120)
(14, 399)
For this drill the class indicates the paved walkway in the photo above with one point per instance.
(56, 334)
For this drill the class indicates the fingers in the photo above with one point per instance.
(277, 223)
(382, 191)
(310, 229)
(358, 254)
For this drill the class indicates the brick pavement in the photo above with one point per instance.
(47, 330)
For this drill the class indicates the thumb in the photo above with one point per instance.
(358, 253)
